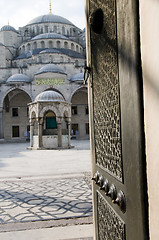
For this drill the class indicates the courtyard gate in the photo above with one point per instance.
(116, 118)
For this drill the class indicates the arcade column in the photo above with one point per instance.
(59, 129)
(31, 133)
(1, 123)
(40, 128)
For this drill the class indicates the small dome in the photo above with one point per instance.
(49, 96)
(49, 36)
(77, 77)
(8, 28)
(51, 68)
(19, 78)
(50, 18)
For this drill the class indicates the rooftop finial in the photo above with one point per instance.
(8, 22)
(50, 9)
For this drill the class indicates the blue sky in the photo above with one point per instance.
(20, 12)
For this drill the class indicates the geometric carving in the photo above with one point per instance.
(50, 81)
(105, 87)
(110, 226)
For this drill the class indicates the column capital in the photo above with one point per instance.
(31, 121)
(40, 121)
(68, 120)
(59, 120)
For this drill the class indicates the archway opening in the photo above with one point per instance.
(16, 115)
(80, 115)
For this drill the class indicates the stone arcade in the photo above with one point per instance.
(48, 54)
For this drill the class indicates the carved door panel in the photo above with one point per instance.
(116, 119)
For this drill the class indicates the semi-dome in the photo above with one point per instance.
(49, 96)
(19, 78)
(49, 36)
(77, 77)
(50, 18)
(8, 28)
(50, 68)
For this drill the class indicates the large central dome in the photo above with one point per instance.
(50, 18)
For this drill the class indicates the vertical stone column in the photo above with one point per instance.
(1, 124)
(69, 133)
(40, 122)
(31, 133)
(59, 129)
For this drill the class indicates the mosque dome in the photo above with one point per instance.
(49, 36)
(77, 77)
(49, 96)
(50, 18)
(51, 68)
(8, 28)
(19, 78)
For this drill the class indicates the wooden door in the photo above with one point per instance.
(116, 119)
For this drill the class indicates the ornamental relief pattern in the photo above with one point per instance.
(105, 83)
(110, 226)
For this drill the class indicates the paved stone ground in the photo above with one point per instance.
(44, 199)
(45, 192)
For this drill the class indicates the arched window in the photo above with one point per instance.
(67, 33)
(50, 59)
(77, 48)
(23, 49)
(76, 63)
(37, 29)
(61, 59)
(33, 31)
(42, 44)
(71, 32)
(55, 29)
(46, 29)
(66, 45)
(50, 120)
(72, 47)
(35, 45)
(50, 44)
(28, 47)
(41, 31)
(39, 59)
(58, 44)
(63, 30)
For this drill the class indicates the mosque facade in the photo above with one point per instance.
(48, 54)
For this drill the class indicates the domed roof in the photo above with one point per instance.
(49, 35)
(50, 18)
(19, 78)
(50, 68)
(8, 28)
(49, 96)
(77, 77)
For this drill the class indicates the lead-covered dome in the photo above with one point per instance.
(20, 78)
(50, 68)
(50, 18)
(8, 28)
(49, 36)
(49, 96)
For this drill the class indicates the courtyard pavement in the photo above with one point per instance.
(45, 192)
